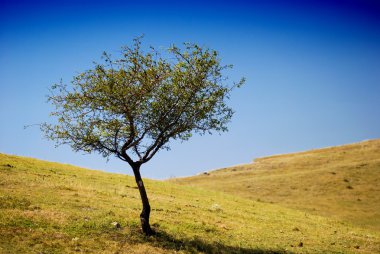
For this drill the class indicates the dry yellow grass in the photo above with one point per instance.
(53, 208)
(340, 182)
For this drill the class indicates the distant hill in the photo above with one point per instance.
(340, 182)
(49, 207)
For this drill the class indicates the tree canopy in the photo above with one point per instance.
(134, 105)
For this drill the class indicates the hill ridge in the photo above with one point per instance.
(340, 181)
(47, 207)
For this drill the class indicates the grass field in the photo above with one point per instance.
(340, 182)
(48, 207)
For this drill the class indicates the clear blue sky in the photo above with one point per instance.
(312, 69)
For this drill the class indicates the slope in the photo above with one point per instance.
(53, 208)
(340, 182)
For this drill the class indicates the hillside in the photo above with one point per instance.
(339, 182)
(48, 207)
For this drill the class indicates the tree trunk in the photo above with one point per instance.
(144, 216)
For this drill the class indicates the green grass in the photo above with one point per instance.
(338, 182)
(48, 207)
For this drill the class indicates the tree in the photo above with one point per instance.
(131, 107)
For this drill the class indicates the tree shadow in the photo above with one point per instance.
(166, 241)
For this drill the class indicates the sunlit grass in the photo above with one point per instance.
(53, 208)
(339, 182)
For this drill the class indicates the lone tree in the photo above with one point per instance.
(131, 107)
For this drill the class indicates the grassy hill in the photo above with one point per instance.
(340, 182)
(48, 207)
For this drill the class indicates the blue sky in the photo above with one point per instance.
(312, 69)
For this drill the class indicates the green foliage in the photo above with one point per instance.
(140, 101)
